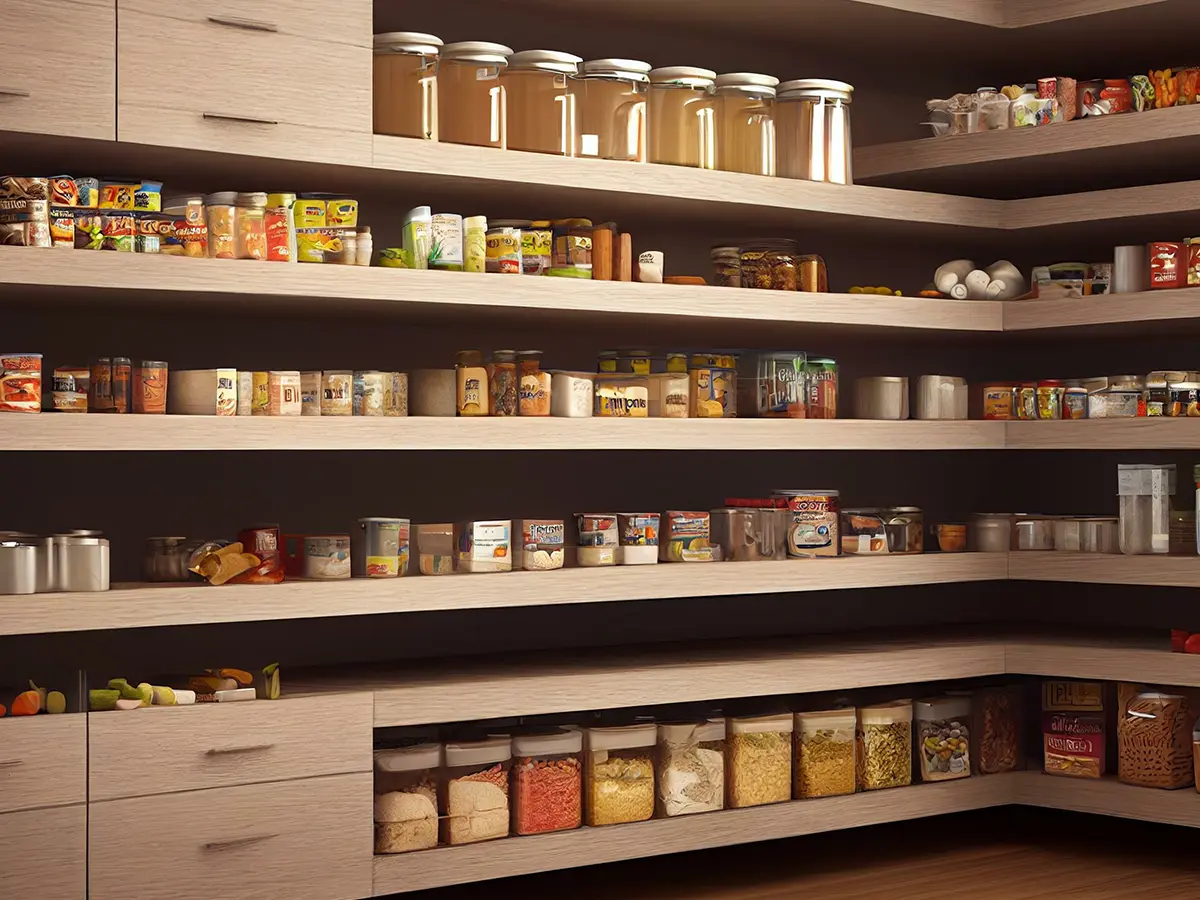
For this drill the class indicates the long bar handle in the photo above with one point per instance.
(253, 120)
(14, 92)
(218, 846)
(252, 748)
(245, 24)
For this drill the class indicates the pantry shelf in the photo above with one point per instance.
(1106, 797)
(1102, 568)
(1108, 309)
(1105, 434)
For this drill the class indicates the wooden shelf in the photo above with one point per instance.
(1156, 570)
(1105, 434)
(1106, 797)
(1106, 310)
(1103, 660)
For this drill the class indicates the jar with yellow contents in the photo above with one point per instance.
(713, 379)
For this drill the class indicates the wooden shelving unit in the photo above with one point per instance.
(1104, 434)
(1106, 797)
(1093, 568)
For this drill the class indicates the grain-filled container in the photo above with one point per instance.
(541, 110)
(812, 130)
(610, 102)
(1154, 738)
(690, 767)
(619, 774)
(758, 760)
(471, 99)
(884, 753)
(405, 85)
(540, 545)
(746, 123)
(406, 801)
(944, 737)
(474, 791)
(682, 123)
(996, 726)
(547, 785)
(825, 750)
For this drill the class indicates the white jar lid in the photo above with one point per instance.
(409, 759)
(552, 742)
(678, 732)
(827, 718)
(221, 198)
(415, 42)
(815, 87)
(622, 737)
(686, 75)
(627, 69)
(886, 713)
(478, 51)
(944, 708)
(780, 724)
(749, 82)
(545, 61)
(479, 753)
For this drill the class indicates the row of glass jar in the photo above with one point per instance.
(482, 93)
(1165, 393)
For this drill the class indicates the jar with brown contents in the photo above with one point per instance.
(825, 753)
(771, 265)
(996, 715)
(503, 383)
(885, 746)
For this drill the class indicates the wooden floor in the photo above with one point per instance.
(1015, 854)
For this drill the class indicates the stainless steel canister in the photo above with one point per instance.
(1099, 535)
(81, 561)
(881, 397)
(18, 566)
(1034, 534)
(1131, 269)
(905, 528)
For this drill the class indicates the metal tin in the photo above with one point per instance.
(991, 532)
(166, 559)
(71, 388)
(1099, 535)
(1168, 265)
(686, 537)
(81, 562)
(379, 548)
(750, 533)
(337, 393)
(638, 535)
(881, 397)
(1131, 269)
(541, 546)
(813, 531)
(18, 567)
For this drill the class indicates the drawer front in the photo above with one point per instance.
(44, 853)
(304, 840)
(58, 67)
(43, 761)
(344, 22)
(182, 748)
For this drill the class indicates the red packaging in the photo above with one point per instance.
(278, 242)
(21, 382)
(1168, 265)
(1119, 94)
(263, 542)
(293, 555)
(1073, 728)
(1047, 88)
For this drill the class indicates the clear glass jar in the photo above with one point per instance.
(406, 801)
(690, 768)
(219, 211)
(944, 737)
(611, 108)
(884, 753)
(547, 786)
(682, 110)
(746, 123)
(541, 111)
(166, 559)
(534, 396)
(812, 124)
(474, 791)
(771, 265)
(727, 266)
(825, 753)
(404, 84)
(503, 384)
(758, 764)
(471, 101)
(1145, 491)
(1154, 739)
(618, 774)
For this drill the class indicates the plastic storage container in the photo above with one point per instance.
(541, 111)
(406, 802)
(619, 774)
(758, 766)
(610, 102)
(405, 85)
(944, 737)
(474, 791)
(1145, 491)
(690, 768)
(812, 124)
(746, 123)
(682, 109)
(884, 758)
(471, 101)
(1154, 737)
(250, 226)
(996, 720)
(825, 753)
(547, 783)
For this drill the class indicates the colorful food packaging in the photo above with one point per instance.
(21, 382)
(1073, 728)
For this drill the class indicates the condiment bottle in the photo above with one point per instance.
(472, 383)
(534, 386)
(503, 383)
(475, 243)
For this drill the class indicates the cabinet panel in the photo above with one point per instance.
(43, 761)
(44, 853)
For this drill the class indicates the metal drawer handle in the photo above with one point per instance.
(253, 748)
(14, 92)
(218, 846)
(247, 24)
(11, 763)
(251, 119)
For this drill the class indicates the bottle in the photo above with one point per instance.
(472, 383)
(362, 253)
(475, 243)
(417, 226)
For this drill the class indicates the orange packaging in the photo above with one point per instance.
(278, 223)
(150, 388)
(21, 382)
(998, 402)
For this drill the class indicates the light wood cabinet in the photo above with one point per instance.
(44, 853)
(43, 761)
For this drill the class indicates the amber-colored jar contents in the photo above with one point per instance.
(404, 84)
(812, 126)
(746, 123)
(534, 397)
(150, 387)
(610, 102)
(108, 388)
(503, 383)
(471, 101)
(683, 117)
(541, 111)
(472, 379)
(771, 265)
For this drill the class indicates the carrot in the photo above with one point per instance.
(27, 703)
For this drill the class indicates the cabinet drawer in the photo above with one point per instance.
(58, 67)
(241, 87)
(43, 761)
(181, 748)
(304, 840)
(44, 853)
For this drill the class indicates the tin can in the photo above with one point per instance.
(260, 396)
(283, 394)
(541, 547)
(245, 393)
(778, 389)
(379, 548)
(686, 537)
(150, 387)
(21, 382)
(998, 401)
(821, 382)
(598, 539)
(638, 535)
(108, 389)
(71, 388)
(324, 557)
(813, 531)
(713, 385)
(337, 393)
(369, 393)
(310, 393)
(737, 531)
(263, 542)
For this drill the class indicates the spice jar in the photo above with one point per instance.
(535, 385)
(746, 123)
(474, 791)
(610, 102)
(884, 757)
(758, 768)
(406, 802)
(404, 84)
(503, 383)
(690, 768)
(812, 124)
(219, 210)
(541, 112)
(150, 387)
(713, 379)
(473, 387)
(547, 785)
(944, 737)
(727, 266)
(619, 774)
(824, 753)
(682, 109)
(770, 265)
(471, 99)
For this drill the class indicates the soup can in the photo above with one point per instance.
(263, 542)
(150, 387)
(325, 556)
(813, 531)
(379, 548)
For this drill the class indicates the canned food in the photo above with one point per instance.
(537, 242)
(263, 542)
(686, 537)
(21, 382)
(379, 548)
(484, 546)
(150, 387)
(71, 389)
(813, 531)
(108, 389)
(325, 557)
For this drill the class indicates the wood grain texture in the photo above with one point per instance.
(1105, 434)
(304, 840)
(1094, 568)
(1103, 660)
(43, 761)
(149, 605)
(589, 846)
(1146, 306)
(1106, 797)
(1027, 13)
(1143, 202)
(310, 19)
(44, 853)
(211, 745)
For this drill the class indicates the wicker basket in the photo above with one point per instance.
(1154, 741)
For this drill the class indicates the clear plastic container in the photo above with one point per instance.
(619, 774)
(682, 109)
(474, 791)
(746, 123)
(504, 383)
(547, 784)
(219, 212)
(250, 224)
(884, 755)
(944, 737)
(690, 768)
(1145, 491)
(405, 84)
(406, 801)
(825, 753)
(758, 765)
(812, 124)
(541, 111)
(535, 385)
(610, 102)
(471, 100)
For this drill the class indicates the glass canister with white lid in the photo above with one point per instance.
(618, 774)
(541, 110)
(610, 103)
(883, 756)
(812, 130)
(471, 98)
(944, 737)
(825, 753)
(406, 802)
(690, 767)
(758, 760)
(474, 790)
(404, 84)
(746, 123)
(547, 783)
(682, 117)
(1145, 491)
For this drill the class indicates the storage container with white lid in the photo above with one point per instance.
(758, 760)
(812, 123)
(471, 101)
(404, 84)
(474, 791)
(406, 811)
(546, 781)
(541, 112)
(690, 767)
(619, 774)
(944, 737)
(746, 123)
(884, 752)
(610, 103)
(825, 753)
(682, 117)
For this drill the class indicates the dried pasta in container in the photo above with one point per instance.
(1154, 737)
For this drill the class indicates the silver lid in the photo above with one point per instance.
(545, 61)
(478, 51)
(625, 69)
(413, 42)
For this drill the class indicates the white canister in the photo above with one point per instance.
(881, 397)
(572, 394)
(18, 567)
(941, 397)
(670, 394)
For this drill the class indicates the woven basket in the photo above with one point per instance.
(1154, 741)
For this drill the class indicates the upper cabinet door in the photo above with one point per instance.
(58, 70)
(285, 78)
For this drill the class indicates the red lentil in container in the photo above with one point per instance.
(547, 787)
